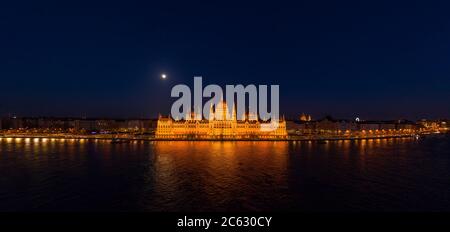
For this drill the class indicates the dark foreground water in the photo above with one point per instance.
(366, 175)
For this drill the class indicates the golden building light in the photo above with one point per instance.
(217, 126)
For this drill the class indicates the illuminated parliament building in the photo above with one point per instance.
(217, 126)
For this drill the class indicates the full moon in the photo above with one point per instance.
(163, 76)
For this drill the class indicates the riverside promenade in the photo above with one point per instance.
(132, 137)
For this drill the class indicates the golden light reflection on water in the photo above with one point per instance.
(220, 169)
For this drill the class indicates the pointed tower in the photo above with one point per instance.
(211, 113)
(244, 116)
(233, 114)
(188, 115)
(221, 111)
(198, 114)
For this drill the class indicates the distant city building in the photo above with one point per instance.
(44, 124)
(445, 124)
(12, 123)
(330, 126)
(433, 125)
(305, 117)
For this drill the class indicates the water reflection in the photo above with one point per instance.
(373, 174)
(226, 173)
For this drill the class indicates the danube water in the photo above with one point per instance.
(403, 174)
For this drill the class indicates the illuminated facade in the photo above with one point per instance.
(217, 126)
(305, 117)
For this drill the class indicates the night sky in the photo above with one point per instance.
(372, 59)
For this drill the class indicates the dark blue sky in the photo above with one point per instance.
(373, 59)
